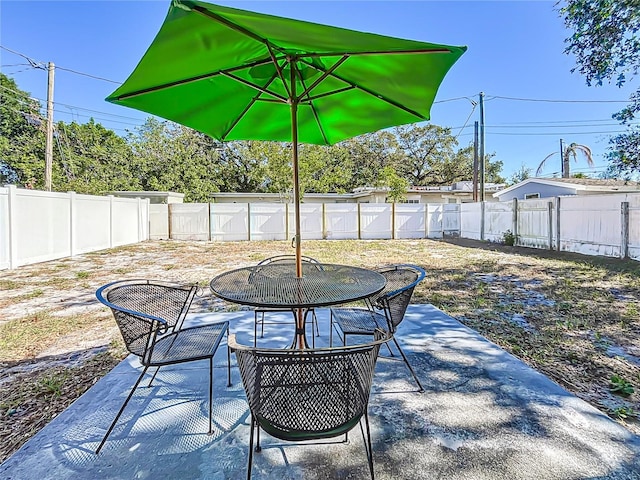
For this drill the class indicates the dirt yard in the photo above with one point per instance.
(574, 318)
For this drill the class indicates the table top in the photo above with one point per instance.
(276, 285)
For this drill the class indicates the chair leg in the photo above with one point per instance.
(258, 447)
(228, 364)
(367, 443)
(115, 420)
(406, 360)
(249, 464)
(331, 329)
(210, 394)
(255, 328)
(315, 320)
(153, 376)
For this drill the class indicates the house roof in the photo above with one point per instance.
(582, 184)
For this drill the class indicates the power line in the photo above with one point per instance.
(72, 106)
(555, 100)
(41, 65)
(88, 75)
(555, 133)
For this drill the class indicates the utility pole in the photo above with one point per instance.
(475, 162)
(481, 160)
(564, 171)
(48, 154)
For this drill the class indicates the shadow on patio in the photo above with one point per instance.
(484, 415)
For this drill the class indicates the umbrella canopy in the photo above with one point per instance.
(239, 75)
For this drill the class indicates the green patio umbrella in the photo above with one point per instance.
(239, 75)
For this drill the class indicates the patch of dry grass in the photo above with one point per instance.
(572, 317)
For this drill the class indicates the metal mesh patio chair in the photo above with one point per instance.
(262, 269)
(150, 315)
(383, 311)
(310, 394)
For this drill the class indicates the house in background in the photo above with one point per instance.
(459, 192)
(555, 187)
(154, 197)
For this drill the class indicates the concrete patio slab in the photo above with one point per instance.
(484, 415)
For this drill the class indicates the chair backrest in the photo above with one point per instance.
(308, 394)
(145, 308)
(396, 295)
(286, 259)
(281, 266)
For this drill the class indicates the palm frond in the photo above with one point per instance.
(541, 166)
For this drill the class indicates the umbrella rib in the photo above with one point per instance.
(327, 94)
(248, 107)
(365, 90)
(274, 60)
(331, 72)
(313, 108)
(323, 76)
(257, 87)
(197, 78)
(228, 23)
(379, 52)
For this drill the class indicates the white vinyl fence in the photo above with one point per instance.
(607, 225)
(332, 221)
(37, 226)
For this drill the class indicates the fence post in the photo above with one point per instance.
(286, 220)
(249, 221)
(169, 219)
(324, 221)
(13, 223)
(209, 221)
(481, 220)
(514, 217)
(139, 205)
(111, 221)
(72, 223)
(550, 223)
(558, 224)
(624, 247)
(393, 221)
(426, 220)
(359, 222)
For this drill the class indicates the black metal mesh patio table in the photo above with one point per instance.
(277, 286)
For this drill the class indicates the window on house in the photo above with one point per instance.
(413, 200)
(531, 195)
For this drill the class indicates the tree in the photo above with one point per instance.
(22, 137)
(520, 175)
(171, 157)
(606, 44)
(366, 155)
(430, 157)
(92, 159)
(427, 150)
(568, 152)
(396, 185)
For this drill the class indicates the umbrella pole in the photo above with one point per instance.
(296, 186)
(300, 330)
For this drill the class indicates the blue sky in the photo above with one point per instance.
(515, 56)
